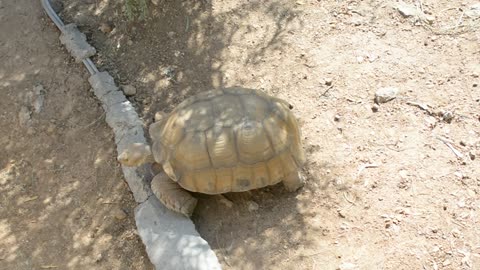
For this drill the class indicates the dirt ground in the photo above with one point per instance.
(63, 201)
(396, 186)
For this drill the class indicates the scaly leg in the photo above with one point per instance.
(172, 195)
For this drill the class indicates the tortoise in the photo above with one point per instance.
(220, 141)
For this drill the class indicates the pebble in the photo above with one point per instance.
(119, 214)
(98, 257)
(105, 28)
(385, 94)
(51, 128)
(473, 11)
(24, 116)
(328, 81)
(407, 10)
(129, 42)
(374, 108)
(39, 94)
(225, 201)
(472, 155)
(336, 118)
(347, 266)
(129, 90)
(447, 116)
(252, 206)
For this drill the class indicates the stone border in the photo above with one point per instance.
(171, 241)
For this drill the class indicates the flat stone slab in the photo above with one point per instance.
(76, 43)
(121, 116)
(171, 240)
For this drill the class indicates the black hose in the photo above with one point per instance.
(92, 69)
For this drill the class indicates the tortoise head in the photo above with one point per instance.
(136, 154)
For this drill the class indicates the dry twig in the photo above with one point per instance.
(449, 145)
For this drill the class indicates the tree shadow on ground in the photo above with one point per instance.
(60, 184)
(185, 47)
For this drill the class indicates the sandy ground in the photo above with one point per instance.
(393, 186)
(63, 201)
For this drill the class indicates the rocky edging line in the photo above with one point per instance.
(171, 241)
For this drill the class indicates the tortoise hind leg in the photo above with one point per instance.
(172, 195)
(294, 181)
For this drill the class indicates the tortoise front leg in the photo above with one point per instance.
(172, 195)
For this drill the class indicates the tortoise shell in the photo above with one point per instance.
(228, 140)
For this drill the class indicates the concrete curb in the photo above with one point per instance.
(76, 43)
(127, 127)
(170, 239)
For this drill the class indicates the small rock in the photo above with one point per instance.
(119, 214)
(98, 257)
(385, 94)
(328, 81)
(341, 213)
(374, 108)
(252, 206)
(336, 118)
(24, 116)
(129, 42)
(447, 116)
(463, 143)
(473, 11)
(169, 72)
(472, 155)
(51, 128)
(129, 90)
(225, 201)
(407, 10)
(456, 233)
(171, 34)
(39, 94)
(347, 266)
(429, 18)
(105, 28)
(155, 2)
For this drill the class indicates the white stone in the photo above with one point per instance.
(171, 240)
(385, 94)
